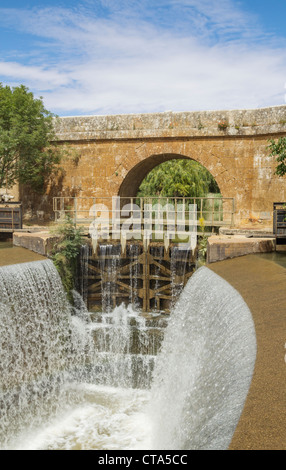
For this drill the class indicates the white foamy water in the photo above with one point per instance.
(108, 418)
(205, 367)
(68, 382)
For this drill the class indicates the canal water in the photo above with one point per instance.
(10, 254)
(277, 257)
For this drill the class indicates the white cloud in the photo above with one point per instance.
(131, 62)
(36, 76)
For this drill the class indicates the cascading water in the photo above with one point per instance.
(109, 260)
(82, 278)
(178, 263)
(160, 255)
(126, 343)
(58, 366)
(125, 348)
(204, 369)
(75, 380)
(134, 251)
(41, 349)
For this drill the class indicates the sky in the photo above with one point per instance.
(101, 57)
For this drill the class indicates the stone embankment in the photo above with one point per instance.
(38, 242)
(221, 247)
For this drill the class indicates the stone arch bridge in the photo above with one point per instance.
(111, 155)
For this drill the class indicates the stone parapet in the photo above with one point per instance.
(247, 122)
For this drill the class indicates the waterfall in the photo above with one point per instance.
(158, 253)
(41, 347)
(109, 260)
(126, 342)
(205, 366)
(56, 357)
(178, 263)
(126, 345)
(133, 251)
(73, 379)
(82, 278)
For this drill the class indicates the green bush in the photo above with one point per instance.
(278, 150)
(66, 251)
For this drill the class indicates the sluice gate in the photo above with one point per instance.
(149, 279)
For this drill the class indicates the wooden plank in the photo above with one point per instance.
(116, 294)
(95, 285)
(159, 278)
(93, 268)
(121, 276)
(124, 286)
(162, 268)
(127, 267)
(162, 288)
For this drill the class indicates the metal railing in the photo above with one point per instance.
(10, 216)
(211, 211)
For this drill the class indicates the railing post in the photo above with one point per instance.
(75, 211)
(176, 216)
(233, 211)
(141, 202)
(62, 205)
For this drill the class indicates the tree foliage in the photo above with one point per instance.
(28, 154)
(178, 178)
(66, 251)
(278, 150)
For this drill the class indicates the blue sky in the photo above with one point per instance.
(106, 57)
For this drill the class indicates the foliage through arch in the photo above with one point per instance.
(178, 178)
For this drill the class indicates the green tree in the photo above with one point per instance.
(66, 251)
(278, 150)
(28, 153)
(178, 178)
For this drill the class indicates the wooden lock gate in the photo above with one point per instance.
(149, 279)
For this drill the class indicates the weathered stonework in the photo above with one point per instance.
(170, 124)
(111, 155)
(227, 247)
(40, 242)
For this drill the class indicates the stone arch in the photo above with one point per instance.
(130, 185)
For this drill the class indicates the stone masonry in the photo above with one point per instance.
(111, 155)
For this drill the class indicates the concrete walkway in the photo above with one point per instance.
(262, 284)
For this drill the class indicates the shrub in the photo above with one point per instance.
(222, 124)
(66, 251)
